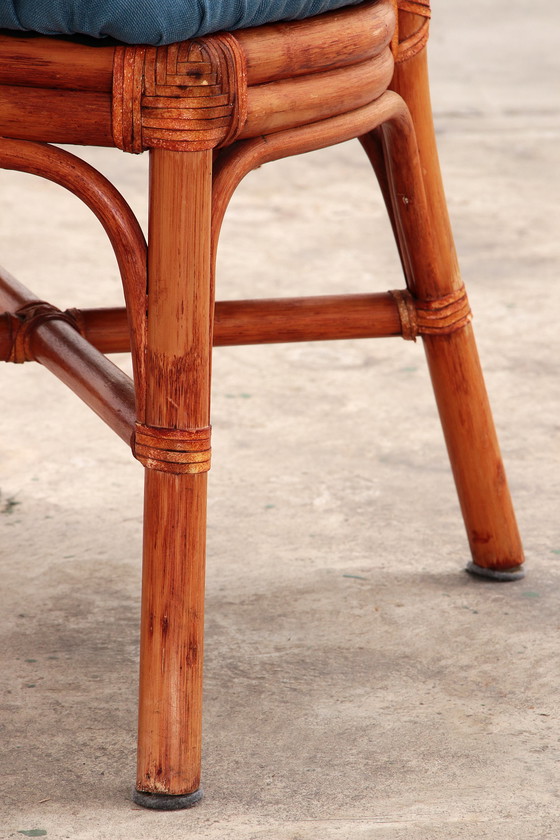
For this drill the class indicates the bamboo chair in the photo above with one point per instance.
(210, 110)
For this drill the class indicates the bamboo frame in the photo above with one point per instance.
(239, 322)
(210, 111)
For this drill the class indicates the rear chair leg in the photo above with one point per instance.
(425, 240)
(173, 442)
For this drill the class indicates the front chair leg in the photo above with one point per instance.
(172, 440)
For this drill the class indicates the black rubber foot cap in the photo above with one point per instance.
(516, 573)
(165, 801)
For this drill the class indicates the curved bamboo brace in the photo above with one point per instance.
(389, 112)
(118, 220)
(234, 163)
(391, 115)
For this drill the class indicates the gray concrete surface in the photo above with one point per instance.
(358, 684)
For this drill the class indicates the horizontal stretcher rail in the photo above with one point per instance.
(264, 321)
(246, 322)
(58, 346)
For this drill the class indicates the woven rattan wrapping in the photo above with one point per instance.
(432, 317)
(411, 46)
(173, 450)
(27, 319)
(185, 97)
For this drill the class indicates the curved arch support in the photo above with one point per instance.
(118, 220)
(233, 164)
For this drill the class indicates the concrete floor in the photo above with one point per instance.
(358, 683)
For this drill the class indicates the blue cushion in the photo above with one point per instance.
(153, 21)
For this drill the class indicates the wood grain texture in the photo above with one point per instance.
(179, 341)
(171, 639)
(105, 328)
(344, 37)
(201, 93)
(410, 80)
(474, 451)
(82, 118)
(305, 319)
(306, 99)
(55, 64)
(179, 303)
(281, 320)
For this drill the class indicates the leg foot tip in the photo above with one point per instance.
(515, 573)
(166, 801)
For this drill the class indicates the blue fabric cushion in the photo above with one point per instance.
(153, 21)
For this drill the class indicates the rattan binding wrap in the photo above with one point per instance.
(28, 318)
(411, 46)
(188, 96)
(442, 316)
(176, 451)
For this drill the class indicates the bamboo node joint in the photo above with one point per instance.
(441, 316)
(176, 451)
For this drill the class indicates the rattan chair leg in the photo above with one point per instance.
(172, 441)
(475, 455)
(428, 252)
